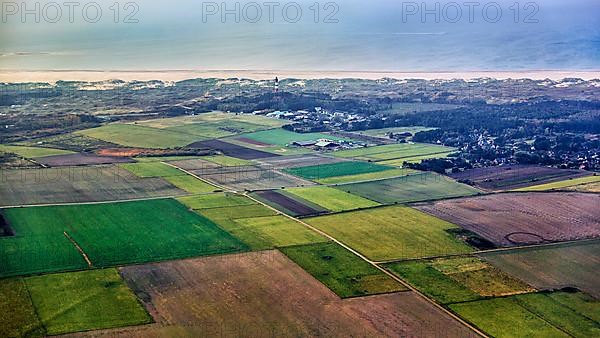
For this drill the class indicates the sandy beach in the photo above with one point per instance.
(51, 76)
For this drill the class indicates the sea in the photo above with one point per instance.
(343, 35)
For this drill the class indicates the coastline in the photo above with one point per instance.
(51, 76)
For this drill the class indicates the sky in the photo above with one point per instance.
(348, 35)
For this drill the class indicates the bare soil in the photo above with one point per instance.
(523, 218)
(288, 203)
(81, 159)
(515, 177)
(232, 150)
(264, 294)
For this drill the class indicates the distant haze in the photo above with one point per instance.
(370, 36)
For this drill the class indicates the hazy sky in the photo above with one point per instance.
(361, 35)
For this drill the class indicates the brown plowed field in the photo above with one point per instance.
(523, 218)
(232, 150)
(290, 204)
(81, 159)
(515, 177)
(264, 294)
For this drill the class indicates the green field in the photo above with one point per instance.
(242, 211)
(130, 135)
(392, 233)
(557, 314)
(452, 280)
(323, 171)
(152, 169)
(432, 282)
(110, 234)
(282, 137)
(17, 314)
(217, 200)
(191, 184)
(213, 117)
(227, 161)
(83, 301)
(331, 199)
(340, 270)
(562, 185)
(217, 129)
(32, 152)
(413, 188)
(368, 177)
(415, 159)
(262, 233)
(393, 151)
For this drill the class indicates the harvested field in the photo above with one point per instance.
(32, 152)
(110, 234)
(130, 135)
(451, 280)
(200, 297)
(515, 177)
(83, 301)
(343, 272)
(332, 199)
(558, 314)
(253, 142)
(394, 232)
(80, 159)
(524, 218)
(232, 150)
(570, 184)
(72, 142)
(317, 172)
(17, 315)
(590, 187)
(78, 184)
(411, 188)
(566, 265)
(250, 178)
(288, 204)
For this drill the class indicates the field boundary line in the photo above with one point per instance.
(498, 250)
(97, 202)
(85, 256)
(221, 187)
(394, 277)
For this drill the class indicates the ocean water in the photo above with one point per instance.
(377, 35)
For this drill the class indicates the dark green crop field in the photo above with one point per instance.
(337, 169)
(110, 234)
(343, 272)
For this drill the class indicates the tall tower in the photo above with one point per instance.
(276, 84)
